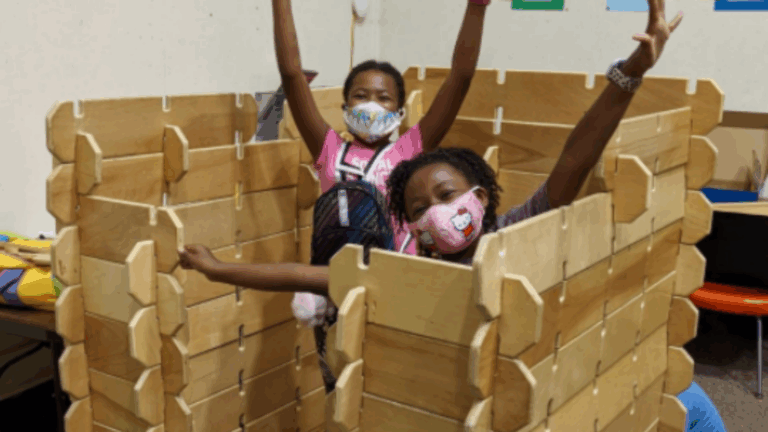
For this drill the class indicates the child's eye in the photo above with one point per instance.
(446, 195)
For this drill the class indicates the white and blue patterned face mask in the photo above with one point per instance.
(371, 122)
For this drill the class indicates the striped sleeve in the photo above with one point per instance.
(537, 204)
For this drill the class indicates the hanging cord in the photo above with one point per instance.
(352, 38)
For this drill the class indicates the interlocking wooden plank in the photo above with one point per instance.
(615, 387)
(578, 413)
(575, 366)
(111, 414)
(657, 300)
(482, 359)
(381, 415)
(520, 326)
(683, 321)
(400, 296)
(107, 343)
(550, 321)
(621, 332)
(73, 367)
(145, 184)
(486, 268)
(223, 367)
(582, 301)
(651, 360)
(265, 213)
(641, 414)
(517, 187)
(132, 126)
(665, 248)
(672, 415)
(394, 370)
(543, 266)
(588, 232)
(479, 418)
(215, 172)
(521, 394)
(65, 256)
(679, 371)
(632, 189)
(701, 162)
(79, 416)
(697, 223)
(690, 270)
(669, 206)
(348, 396)
(273, 249)
(69, 314)
(143, 398)
(175, 154)
(627, 274)
(350, 326)
(60, 193)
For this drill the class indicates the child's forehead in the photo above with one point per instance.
(374, 79)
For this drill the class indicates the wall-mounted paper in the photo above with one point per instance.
(627, 5)
(741, 5)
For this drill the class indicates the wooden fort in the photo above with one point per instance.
(571, 321)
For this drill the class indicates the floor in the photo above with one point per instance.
(725, 355)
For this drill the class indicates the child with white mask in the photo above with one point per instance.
(374, 97)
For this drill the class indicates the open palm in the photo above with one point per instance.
(656, 34)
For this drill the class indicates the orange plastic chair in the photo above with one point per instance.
(741, 301)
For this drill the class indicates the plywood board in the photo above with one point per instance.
(112, 415)
(517, 187)
(665, 247)
(543, 237)
(626, 277)
(583, 298)
(669, 204)
(218, 321)
(108, 347)
(577, 414)
(575, 366)
(222, 367)
(273, 249)
(69, 311)
(265, 213)
(394, 370)
(133, 178)
(656, 303)
(381, 415)
(133, 126)
(215, 172)
(520, 326)
(702, 161)
(143, 398)
(60, 195)
(545, 346)
(651, 360)
(522, 394)
(441, 294)
(106, 291)
(588, 232)
(697, 223)
(65, 255)
(621, 332)
(683, 321)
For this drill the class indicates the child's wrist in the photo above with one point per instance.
(480, 2)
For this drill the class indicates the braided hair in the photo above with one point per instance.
(470, 164)
(384, 67)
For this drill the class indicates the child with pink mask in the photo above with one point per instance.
(374, 95)
(448, 198)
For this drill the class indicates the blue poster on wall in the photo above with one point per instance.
(741, 5)
(628, 5)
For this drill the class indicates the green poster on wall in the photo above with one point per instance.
(538, 4)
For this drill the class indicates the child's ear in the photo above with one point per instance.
(482, 195)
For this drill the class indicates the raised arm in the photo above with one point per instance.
(308, 120)
(588, 139)
(283, 277)
(440, 116)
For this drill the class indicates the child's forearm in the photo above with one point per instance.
(285, 277)
(286, 41)
(467, 50)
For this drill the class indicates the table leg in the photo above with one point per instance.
(760, 356)
(57, 348)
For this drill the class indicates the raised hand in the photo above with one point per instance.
(655, 37)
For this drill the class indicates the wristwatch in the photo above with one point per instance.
(624, 82)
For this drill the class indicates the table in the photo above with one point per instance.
(37, 325)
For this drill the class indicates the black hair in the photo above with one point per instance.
(470, 164)
(385, 67)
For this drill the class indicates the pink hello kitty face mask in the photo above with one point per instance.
(451, 228)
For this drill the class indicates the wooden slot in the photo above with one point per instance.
(88, 163)
(60, 196)
(214, 172)
(577, 414)
(219, 368)
(627, 277)
(442, 306)
(491, 157)
(479, 418)
(212, 119)
(65, 256)
(216, 322)
(175, 365)
(615, 389)
(487, 281)
(143, 398)
(350, 326)
(672, 415)
(482, 359)
(107, 345)
(394, 369)
(381, 415)
(651, 360)
(308, 187)
(638, 416)
(679, 371)
(588, 233)
(170, 304)
(517, 187)
(544, 268)
(520, 393)
(175, 154)
(133, 178)
(683, 321)
(620, 334)
(69, 315)
(575, 365)
(632, 189)
(690, 270)
(79, 416)
(349, 396)
(144, 337)
(73, 368)
(657, 301)
(273, 249)
(697, 222)
(520, 323)
(701, 163)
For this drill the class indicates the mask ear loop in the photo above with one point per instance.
(406, 243)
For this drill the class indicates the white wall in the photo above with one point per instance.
(77, 49)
